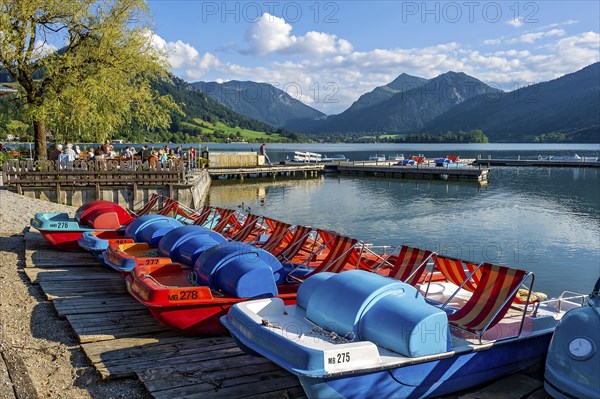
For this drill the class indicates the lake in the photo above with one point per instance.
(545, 220)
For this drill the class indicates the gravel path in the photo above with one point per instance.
(41, 353)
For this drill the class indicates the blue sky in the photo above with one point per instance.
(328, 53)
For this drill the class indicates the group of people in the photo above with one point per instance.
(68, 152)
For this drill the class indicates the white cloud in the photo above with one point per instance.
(516, 22)
(527, 38)
(184, 56)
(532, 37)
(272, 34)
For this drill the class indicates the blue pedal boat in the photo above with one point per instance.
(97, 242)
(361, 335)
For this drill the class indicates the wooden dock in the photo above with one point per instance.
(423, 172)
(536, 162)
(122, 339)
(303, 170)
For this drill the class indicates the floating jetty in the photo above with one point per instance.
(303, 170)
(536, 162)
(422, 172)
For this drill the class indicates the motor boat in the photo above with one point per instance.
(377, 158)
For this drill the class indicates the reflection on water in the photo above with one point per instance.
(544, 220)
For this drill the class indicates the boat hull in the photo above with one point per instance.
(436, 378)
(425, 380)
(96, 242)
(66, 240)
(190, 310)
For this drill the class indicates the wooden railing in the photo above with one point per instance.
(91, 173)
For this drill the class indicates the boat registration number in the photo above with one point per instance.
(183, 296)
(343, 357)
(60, 225)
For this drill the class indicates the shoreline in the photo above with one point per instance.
(42, 355)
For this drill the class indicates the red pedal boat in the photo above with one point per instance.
(63, 231)
(192, 299)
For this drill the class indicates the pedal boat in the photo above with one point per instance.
(63, 231)
(358, 334)
(192, 299)
(169, 248)
(97, 242)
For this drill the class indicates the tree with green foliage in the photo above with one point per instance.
(84, 68)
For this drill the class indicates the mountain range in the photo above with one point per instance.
(410, 110)
(568, 106)
(380, 94)
(563, 109)
(260, 101)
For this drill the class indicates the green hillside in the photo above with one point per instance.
(202, 120)
(260, 101)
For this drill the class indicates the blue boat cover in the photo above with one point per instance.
(184, 244)
(150, 228)
(91, 242)
(238, 269)
(366, 306)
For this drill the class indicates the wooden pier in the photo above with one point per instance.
(304, 170)
(536, 162)
(423, 172)
(122, 339)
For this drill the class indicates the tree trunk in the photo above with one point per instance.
(39, 140)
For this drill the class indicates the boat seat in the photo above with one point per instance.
(491, 299)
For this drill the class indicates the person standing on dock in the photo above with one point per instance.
(263, 151)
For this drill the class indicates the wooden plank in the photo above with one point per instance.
(232, 368)
(111, 325)
(49, 259)
(76, 285)
(98, 304)
(126, 320)
(38, 253)
(125, 348)
(71, 288)
(515, 386)
(192, 356)
(36, 275)
(277, 382)
(85, 338)
(52, 295)
(54, 290)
